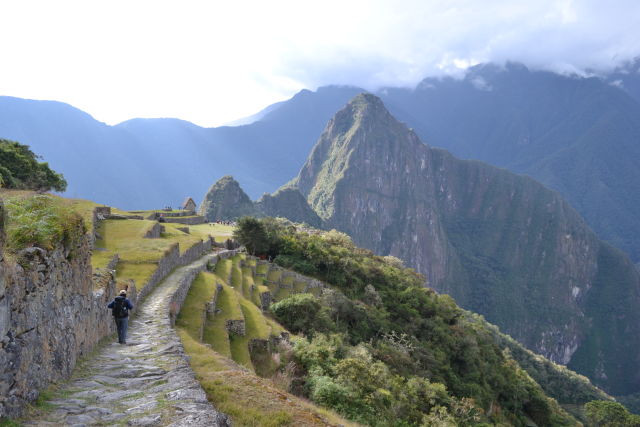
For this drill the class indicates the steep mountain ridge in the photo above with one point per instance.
(501, 244)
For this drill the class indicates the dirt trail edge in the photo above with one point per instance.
(147, 382)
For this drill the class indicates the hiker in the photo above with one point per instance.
(120, 307)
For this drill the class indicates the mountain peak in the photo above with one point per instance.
(225, 201)
(363, 135)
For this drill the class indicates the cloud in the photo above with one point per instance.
(402, 42)
(212, 62)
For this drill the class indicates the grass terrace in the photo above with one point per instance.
(223, 361)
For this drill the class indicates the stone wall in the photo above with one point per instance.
(173, 259)
(188, 220)
(236, 326)
(266, 298)
(50, 315)
(155, 231)
(99, 213)
(177, 299)
(52, 312)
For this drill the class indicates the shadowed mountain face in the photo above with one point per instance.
(578, 136)
(501, 244)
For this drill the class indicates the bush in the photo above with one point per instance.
(40, 221)
(302, 313)
(20, 169)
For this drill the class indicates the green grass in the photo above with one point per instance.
(140, 273)
(273, 288)
(247, 283)
(299, 287)
(229, 304)
(276, 328)
(236, 273)
(240, 351)
(282, 294)
(256, 328)
(287, 280)
(274, 275)
(219, 232)
(201, 292)
(250, 400)
(262, 268)
(215, 332)
(223, 267)
(256, 324)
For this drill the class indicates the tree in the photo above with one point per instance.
(19, 168)
(605, 413)
(251, 233)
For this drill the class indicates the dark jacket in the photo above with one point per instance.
(127, 303)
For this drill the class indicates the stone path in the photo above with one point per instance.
(147, 382)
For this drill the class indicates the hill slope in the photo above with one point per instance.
(501, 244)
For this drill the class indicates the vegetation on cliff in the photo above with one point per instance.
(41, 220)
(382, 349)
(20, 169)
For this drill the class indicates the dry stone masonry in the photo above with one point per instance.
(53, 311)
(147, 382)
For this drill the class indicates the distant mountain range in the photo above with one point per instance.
(579, 136)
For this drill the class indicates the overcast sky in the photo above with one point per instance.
(211, 62)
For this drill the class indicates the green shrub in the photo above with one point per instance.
(607, 413)
(41, 221)
(20, 169)
(302, 313)
(402, 354)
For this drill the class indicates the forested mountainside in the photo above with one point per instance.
(377, 343)
(501, 244)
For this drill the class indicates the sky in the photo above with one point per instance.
(211, 62)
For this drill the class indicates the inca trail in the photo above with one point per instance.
(147, 382)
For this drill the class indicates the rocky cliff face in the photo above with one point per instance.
(501, 244)
(288, 203)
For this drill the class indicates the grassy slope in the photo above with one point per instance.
(222, 367)
(247, 398)
(202, 290)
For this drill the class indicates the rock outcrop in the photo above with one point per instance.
(288, 203)
(501, 244)
(225, 201)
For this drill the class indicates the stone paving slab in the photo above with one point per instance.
(147, 382)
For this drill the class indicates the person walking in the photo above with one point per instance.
(120, 307)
